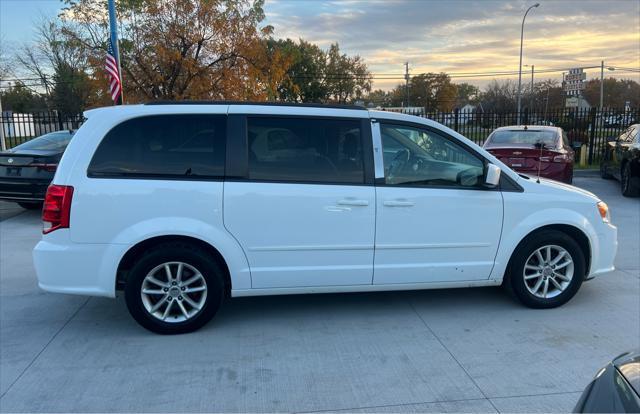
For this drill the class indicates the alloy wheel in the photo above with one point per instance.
(174, 292)
(548, 271)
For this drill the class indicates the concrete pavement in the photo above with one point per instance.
(465, 350)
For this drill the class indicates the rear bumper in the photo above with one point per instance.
(74, 268)
(23, 190)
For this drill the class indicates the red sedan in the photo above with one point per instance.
(533, 149)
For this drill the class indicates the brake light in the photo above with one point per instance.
(57, 208)
(46, 167)
(561, 158)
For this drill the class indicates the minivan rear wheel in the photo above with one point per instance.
(174, 288)
(546, 270)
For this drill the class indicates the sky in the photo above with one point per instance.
(456, 36)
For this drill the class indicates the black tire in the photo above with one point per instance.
(175, 252)
(603, 172)
(514, 278)
(31, 206)
(629, 184)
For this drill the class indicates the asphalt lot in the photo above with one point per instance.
(441, 350)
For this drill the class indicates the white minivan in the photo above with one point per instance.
(180, 205)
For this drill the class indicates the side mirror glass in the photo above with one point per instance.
(492, 177)
(576, 145)
(612, 139)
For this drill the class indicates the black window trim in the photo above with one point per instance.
(509, 185)
(240, 154)
(160, 176)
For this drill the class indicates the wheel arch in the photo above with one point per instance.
(128, 259)
(572, 231)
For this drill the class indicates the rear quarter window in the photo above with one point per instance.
(176, 146)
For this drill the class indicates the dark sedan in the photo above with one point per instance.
(534, 149)
(615, 389)
(27, 170)
(621, 160)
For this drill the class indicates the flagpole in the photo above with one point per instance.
(113, 25)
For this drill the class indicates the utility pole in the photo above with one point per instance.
(531, 101)
(3, 143)
(601, 84)
(406, 79)
(564, 93)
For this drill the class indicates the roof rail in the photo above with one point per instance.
(304, 105)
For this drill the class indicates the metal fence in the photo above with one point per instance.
(589, 127)
(21, 127)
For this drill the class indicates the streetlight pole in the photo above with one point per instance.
(531, 96)
(520, 69)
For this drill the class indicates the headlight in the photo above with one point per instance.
(604, 211)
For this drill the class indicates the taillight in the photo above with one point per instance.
(561, 158)
(46, 167)
(57, 208)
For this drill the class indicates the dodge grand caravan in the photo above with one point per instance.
(181, 205)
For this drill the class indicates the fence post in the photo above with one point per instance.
(592, 134)
(60, 122)
(456, 113)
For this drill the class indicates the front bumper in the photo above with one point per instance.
(604, 250)
(77, 268)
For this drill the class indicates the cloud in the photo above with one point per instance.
(466, 36)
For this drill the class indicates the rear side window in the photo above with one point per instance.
(165, 146)
(305, 150)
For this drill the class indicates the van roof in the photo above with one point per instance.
(304, 105)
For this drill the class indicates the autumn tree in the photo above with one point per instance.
(304, 80)
(499, 96)
(547, 95)
(315, 75)
(617, 92)
(466, 94)
(379, 97)
(19, 98)
(347, 77)
(184, 49)
(433, 91)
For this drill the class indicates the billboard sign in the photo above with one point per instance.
(574, 82)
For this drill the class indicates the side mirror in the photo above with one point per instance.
(576, 145)
(492, 176)
(612, 139)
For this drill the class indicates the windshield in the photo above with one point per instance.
(528, 137)
(48, 142)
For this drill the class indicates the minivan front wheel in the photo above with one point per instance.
(546, 270)
(174, 288)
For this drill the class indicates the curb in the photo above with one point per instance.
(586, 173)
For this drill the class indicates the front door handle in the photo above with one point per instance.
(399, 203)
(353, 202)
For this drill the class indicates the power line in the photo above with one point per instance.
(40, 82)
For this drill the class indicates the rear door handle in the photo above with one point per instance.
(353, 202)
(399, 203)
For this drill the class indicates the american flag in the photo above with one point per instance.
(113, 75)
